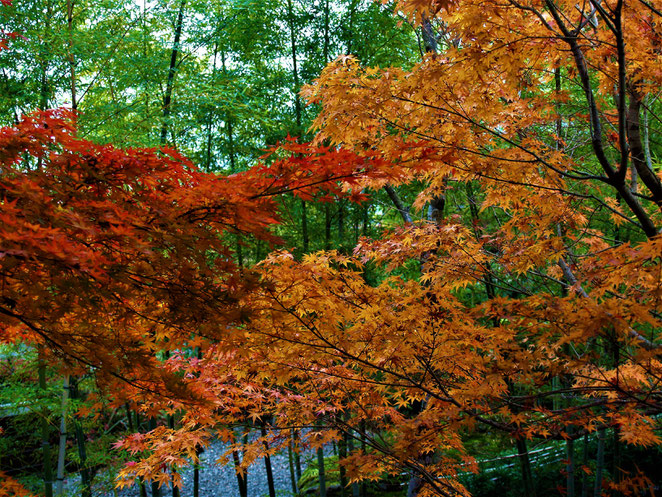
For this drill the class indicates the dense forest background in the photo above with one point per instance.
(433, 264)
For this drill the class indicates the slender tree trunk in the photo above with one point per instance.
(295, 70)
(290, 460)
(45, 435)
(230, 134)
(242, 476)
(210, 115)
(171, 425)
(350, 25)
(297, 112)
(363, 449)
(156, 490)
(198, 451)
(232, 156)
(85, 477)
(326, 32)
(44, 53)
(70, 53)
(350, 449)
(525, 462)
(341, 220)
(267, 464)
(648, 101)
(129, 418)
(43, 84)
(141, 481)
(304, 225)
(559, 119)
(228, 126)
(145, 54)
(585, 463)
(59, 489)
(322, 475)
(617, 473)
(327, 226)
(570, 466)
(342, 454)
(167, 98)
(599, 463)
(297, 456)
(196, 480)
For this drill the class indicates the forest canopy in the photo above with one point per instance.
(423, 233)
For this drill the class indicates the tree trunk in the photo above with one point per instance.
(304, 225)
(59, 489)
(322, 475)
(585, 463)
(350, 25)
(167, 98)
(363, 486)
(70, 53)
(342, 454)
(341, 220)
(171, 425)
(156, 490)
(599, 463)
(326, 32)
(196, 479)
(350, 449)
(141, 481)
(242, 476)
(210, 116)
(45, 435)
(267, 464)
(295, 70)
(297, 457)
(570, 466)
(85, 477)
(43, 84)
(199, 450)
(327, 226)
(525, 462)
(290, 460)
(617, 473)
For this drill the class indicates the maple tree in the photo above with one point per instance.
(534, 309)
(111, 258)
(536, 312)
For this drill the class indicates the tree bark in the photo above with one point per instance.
(599, 463)
(304, 226)
(85, 477)
(290, 460)
(70, 53)
(321, 474)
(59, 489)
(242, 476)
(210, 116)
(342, 454)
(45, 435)
(167, 98)
(525, 462)
(267, 464)
(156, 490)
(570, 466)
(350, 449)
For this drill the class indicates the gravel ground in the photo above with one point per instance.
(221, 481)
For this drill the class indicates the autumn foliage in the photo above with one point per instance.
(534, 305)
